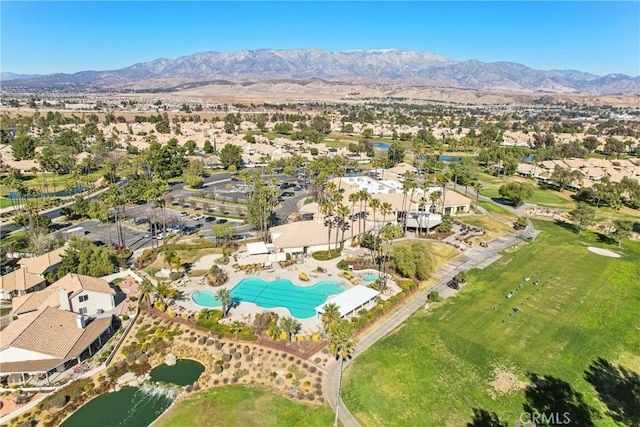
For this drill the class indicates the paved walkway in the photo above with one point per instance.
(477, 257)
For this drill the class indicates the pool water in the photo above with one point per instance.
(384, 146)
(370, 277)
(300, 301)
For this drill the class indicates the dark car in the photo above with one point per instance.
(210, 219)
(98, 243)
(453, 284)
(222, 221)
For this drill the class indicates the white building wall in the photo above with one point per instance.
(96, 301)
(13, 354)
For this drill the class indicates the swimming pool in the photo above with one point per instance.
(300, 301)
(370, 277)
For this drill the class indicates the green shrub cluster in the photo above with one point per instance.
(412, 261)
(322, 255)
(343, 265)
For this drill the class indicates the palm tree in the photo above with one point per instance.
(236, 327)
(365, 196)
(290, 326)
(342, 345)
(330, 316)
(166, 291)
(343, 212)
(477, 186)
(375, 206)
(169, 258)
(434, 196)
(442, 180)
(353, 198)
(386, 209)
(328, 210)
(146, 289)
(224, 296)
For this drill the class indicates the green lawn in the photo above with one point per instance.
(243, 407)
(545, 198)
(497, 209)
(436, 368)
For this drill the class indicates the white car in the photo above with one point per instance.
(160, 236)
(198, 217)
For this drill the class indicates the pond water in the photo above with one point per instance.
(370, 277)
(133, 406)
(129, 407)
(184, 372)
(384, 146)
(61, 193)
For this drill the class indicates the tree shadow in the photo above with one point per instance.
(618, 388)
(483, 418)
(567, 226)
(505, 202)
(603, 238)
(556, 401)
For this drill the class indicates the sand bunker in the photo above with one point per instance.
(505, 382)
(603, 252)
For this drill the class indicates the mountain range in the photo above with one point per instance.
(380, 66)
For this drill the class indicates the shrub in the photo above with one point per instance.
(322, 255)
(462, 276)
(343, 265)
(215, 276)
(175, 275)
(434, 297)
(58, 401)
(288, 256)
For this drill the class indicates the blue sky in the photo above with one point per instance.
(47, 37)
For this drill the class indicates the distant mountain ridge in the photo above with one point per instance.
(378, 66)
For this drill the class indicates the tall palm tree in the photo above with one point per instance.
(442, 180)
(477, 186)
(290, 326)
(224, 296)
(330, 316)
(365, 196)
(353, 198)
(435, 197)
(375, 206)
(343, 346)
(328, 209)
(343, 212)
(169, 257)
(386, 209)
(337, 198)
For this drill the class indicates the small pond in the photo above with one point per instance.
(384, 146)
(184, 372)
(133, 406)
(370, 277)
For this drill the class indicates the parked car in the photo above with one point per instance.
(222, 221)
(184, 214)
(297, 188)
(197, 217)
(288, 194)
(210, 219)
(160, 236)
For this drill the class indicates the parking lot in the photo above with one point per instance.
(107, 234)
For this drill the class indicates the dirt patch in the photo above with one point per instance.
(505, 382)
(604, 252)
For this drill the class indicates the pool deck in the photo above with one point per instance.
(246, 311)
